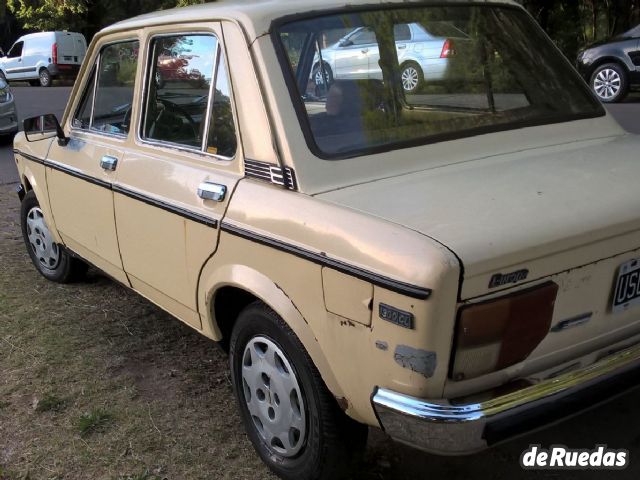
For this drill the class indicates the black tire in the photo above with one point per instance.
(334, 442)
(316, 77)
(67, 268)
(44, 78)
(600, 75)
(412, 67)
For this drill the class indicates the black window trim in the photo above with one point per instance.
(95, 69)
(303, 118)
(220, 53)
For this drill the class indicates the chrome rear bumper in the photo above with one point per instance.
(454, 428)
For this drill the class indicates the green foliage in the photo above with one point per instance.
(48, 14)
(50, 403)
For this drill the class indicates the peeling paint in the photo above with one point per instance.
(382, 345)
(420, 361)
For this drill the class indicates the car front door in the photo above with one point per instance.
(352, 56)
(172, 190)
(80, 174)
(13, 62)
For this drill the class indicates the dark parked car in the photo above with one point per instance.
(612, 67)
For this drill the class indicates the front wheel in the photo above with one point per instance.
(45, 78)
(609, 82)
(292, 420)
(49, 258)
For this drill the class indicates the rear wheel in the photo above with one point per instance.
(49, 258)
(291, 418)
(609, 82)
(45, 78)
(412, 77)
(322, 86)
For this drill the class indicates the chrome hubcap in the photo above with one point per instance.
(45, 249)
(410, 78)
(273, 397)
(607, 83)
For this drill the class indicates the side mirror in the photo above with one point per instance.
(346, 43)
(43, 127)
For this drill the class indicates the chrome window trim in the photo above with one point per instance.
(96, 68)
(145, 88)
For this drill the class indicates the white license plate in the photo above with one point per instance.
(626, 292)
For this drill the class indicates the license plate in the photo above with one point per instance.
(627, 290)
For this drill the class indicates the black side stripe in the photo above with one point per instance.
(210, 222)
(321, 259)
(196, 217)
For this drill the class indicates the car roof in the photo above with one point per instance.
(256, 16)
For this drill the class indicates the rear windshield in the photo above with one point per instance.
(382, 79)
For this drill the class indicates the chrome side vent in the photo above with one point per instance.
(271, 173)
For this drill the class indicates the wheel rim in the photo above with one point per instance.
(607, 83)
(44, 78)
(273, 397)
(318, 77)
(410, 78)
(42, 245)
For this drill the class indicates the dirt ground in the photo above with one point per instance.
(97, 383)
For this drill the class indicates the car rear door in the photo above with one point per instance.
(172, 190)
(80, 174)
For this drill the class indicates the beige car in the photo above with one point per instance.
(456, 266)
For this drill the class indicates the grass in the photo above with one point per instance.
(49, 403)
(95, 420)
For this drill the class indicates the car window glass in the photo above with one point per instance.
(486, 74)
(402, 32)
(178, 93)
(83, 118)
(363, 37)
(114, 90)
(16, 50)
(222, 133)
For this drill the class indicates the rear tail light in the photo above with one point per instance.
(495, 334)
(448, 50)
(54, 54)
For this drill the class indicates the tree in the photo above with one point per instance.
(49, 14)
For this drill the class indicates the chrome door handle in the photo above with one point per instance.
(109, 163)
(212, 191)
(401, 47)
(365, 50)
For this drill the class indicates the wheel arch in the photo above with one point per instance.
(603, 61)
(229, 288)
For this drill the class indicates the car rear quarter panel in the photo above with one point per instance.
(352, 357)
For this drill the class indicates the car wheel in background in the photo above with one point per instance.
(609, 82)
(293, 421)
(322, 87)
(45, 78)
(412, 77)
(49, 258)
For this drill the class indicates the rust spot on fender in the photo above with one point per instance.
(420, 361)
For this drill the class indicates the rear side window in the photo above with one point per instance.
(106, 103)
(188, 96)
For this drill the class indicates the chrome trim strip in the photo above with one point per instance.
(283, 176)
(322, 259)
(446, 426)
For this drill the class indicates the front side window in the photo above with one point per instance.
(469, 70)
(16, 50)
(106, 102)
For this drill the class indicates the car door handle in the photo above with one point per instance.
(401, 47)
(109, 163)
(212, 191)
(365, 50)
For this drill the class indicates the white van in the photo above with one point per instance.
(40, 57)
